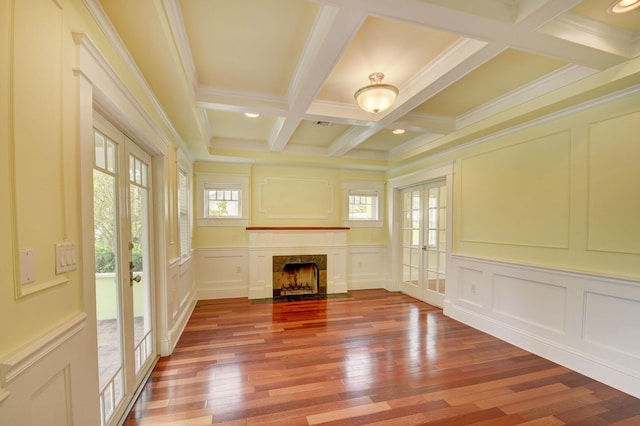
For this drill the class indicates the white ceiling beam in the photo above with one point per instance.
(331, 34)
(239, 101)
(447, 76)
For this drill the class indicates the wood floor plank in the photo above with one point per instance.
(375, 358)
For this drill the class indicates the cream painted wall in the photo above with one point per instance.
(564, 193)
(295, 197)
(289, 196)
(45, 128)
(39, 178)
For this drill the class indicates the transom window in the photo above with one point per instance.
(222, 199)
(363, 206)
(364, 203)
(222, 202)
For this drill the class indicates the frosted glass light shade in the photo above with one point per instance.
(376, 97)
(624, 6)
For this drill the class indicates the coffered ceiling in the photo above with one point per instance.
(464, 69)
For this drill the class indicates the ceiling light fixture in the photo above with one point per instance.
(398, 131)
(376, 97)
(252, 114)
(624, 6)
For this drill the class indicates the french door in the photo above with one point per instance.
(121, 187)
(424, 241)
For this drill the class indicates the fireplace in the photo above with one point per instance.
(271, 248)
(300, 276)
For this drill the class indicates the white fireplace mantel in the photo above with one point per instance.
(264, 243)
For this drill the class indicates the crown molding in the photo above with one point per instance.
(587, 32)
(99, 15)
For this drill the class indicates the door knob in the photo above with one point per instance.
(137, 278)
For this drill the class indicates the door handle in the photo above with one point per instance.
(137, 278)
(424, 248)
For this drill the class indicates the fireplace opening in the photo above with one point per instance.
(299, 277)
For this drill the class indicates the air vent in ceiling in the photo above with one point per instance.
(323, 123)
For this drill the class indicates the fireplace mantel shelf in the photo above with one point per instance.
(297, 228)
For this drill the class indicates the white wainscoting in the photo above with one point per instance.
(586, 322)
(367, 267)
(222, 273)
(45, 382)
(181, 299)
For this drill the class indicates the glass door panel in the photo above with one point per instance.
(435, 247)
(424, 241)
(123, 284)
(139, 271)
(411, 235)
(108, 286)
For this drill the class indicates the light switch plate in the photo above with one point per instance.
(65, 257)
(27, 266)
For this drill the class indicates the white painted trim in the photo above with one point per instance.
(4, 394)
(100, 17)
(561, 330)
(167, 346)
(421, 152)
(562, 77)
(18, 362)
(378, 278)
(578, 29)
(540, 268)
(597, 368)
(394, 208)
(421, 176)
(211, 180)
(129, 113)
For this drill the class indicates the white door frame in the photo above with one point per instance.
(394, 211)
(100, 88)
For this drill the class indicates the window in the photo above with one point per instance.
(364, 203)
(183, 214)
(363, 206)
(222, 200)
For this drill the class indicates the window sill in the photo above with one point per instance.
(364, 223)
(222, 222)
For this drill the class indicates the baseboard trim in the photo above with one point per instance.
(593, 367)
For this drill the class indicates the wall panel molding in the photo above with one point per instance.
(528, 181)
(17, 363)
(614, 198)
(222, 273)
(296, 198)
(367, 267)
(586, 322)
(36, 114)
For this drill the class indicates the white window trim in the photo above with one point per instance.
(183, 167)
(372, 188)
(211, 180)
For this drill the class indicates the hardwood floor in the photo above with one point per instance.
(374, 358)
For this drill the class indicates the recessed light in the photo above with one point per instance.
(623, 6)
(398, 131)
(252, 114)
